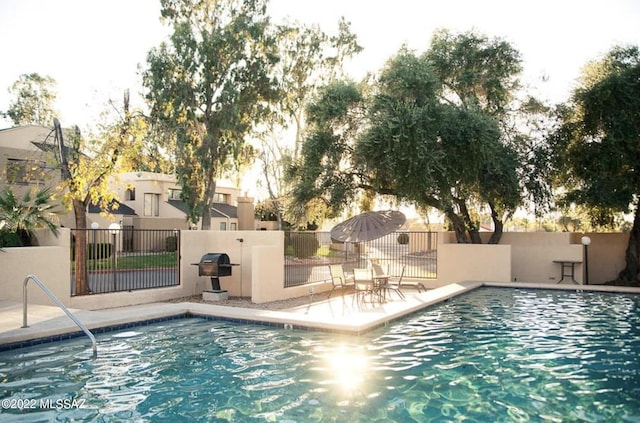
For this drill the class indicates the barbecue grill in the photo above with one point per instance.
(215, 265)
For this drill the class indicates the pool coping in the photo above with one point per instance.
(319, 316)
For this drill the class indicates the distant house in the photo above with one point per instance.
(28, 160)
(148, 200)
(145, 200)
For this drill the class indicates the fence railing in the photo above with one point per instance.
(308, 254)
(127, 259)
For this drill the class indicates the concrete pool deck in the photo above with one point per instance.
(336, 315)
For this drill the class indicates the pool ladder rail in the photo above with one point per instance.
(59, 304)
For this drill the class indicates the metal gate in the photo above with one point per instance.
(128, 259)
(417, 251)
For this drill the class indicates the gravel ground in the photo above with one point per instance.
(245, 302)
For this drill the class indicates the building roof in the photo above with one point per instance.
(217, 209)
(115, 208)
(223, 210)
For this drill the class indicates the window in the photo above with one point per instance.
(130, 194)
(152, 204)
(174, 194)
(234, 226)
(223, 226)
(25, 171)
(221, 198)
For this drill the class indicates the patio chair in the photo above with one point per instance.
(364, 285)
(396, 284)
(339, 279)
(380, 276)
(387, 282)
(404, 284)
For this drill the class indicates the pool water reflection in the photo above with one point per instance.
(489, 355)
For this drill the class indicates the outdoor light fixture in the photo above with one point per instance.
(114, 228)
(95, 225)
(586, 241)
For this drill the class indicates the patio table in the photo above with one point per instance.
(568, 265)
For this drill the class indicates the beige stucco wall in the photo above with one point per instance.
(49, 262)
(606, 255)
(533, 255)
(465, 262)
(197, 243)
(526, 257)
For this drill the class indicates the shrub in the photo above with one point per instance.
(171, 243)
(100, 250)
(304, 245)
(95, 251)
(403, 239)
(10, 239)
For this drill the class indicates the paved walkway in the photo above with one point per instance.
(337, 315)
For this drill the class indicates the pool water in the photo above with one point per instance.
(493, 355)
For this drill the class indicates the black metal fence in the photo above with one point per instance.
(127, 259)
(308, 254)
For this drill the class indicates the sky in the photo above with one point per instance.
(94, 48)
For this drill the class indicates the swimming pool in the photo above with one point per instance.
(489, 355)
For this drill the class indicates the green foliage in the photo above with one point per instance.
(23, 215)
(321, 171)
(34, 96)
(171, 243)
(597, 145)
(435, 130)
(210, 86)
(304, 245)
(99, 250)
(479, 71)
(95, 251)
(10, 239)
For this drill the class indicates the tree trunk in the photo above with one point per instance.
(82, 286)
(207, 203)
(629, 275)
(474, 234)
(458, 227)
(498, 226)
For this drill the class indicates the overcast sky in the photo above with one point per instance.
(92, 48)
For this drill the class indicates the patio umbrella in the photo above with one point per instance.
(368, 226)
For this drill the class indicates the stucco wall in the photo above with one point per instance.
(533, 255)
(606, 255)
(49, 262)
(525, 257)
(464, 262)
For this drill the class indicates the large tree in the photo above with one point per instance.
(34, 96)
(211, 84)
(597, 146)
(435, 132)
(309, 59)
(86, 165)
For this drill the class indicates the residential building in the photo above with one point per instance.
(28, 160)
(145, 200)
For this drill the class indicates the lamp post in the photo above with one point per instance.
(114, 228)
(585, 242)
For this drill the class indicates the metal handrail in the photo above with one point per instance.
(59, 303)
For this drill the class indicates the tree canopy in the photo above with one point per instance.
(433, 130)
(597, 145)
(210, 85)
(308, 59)
(34, 96)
